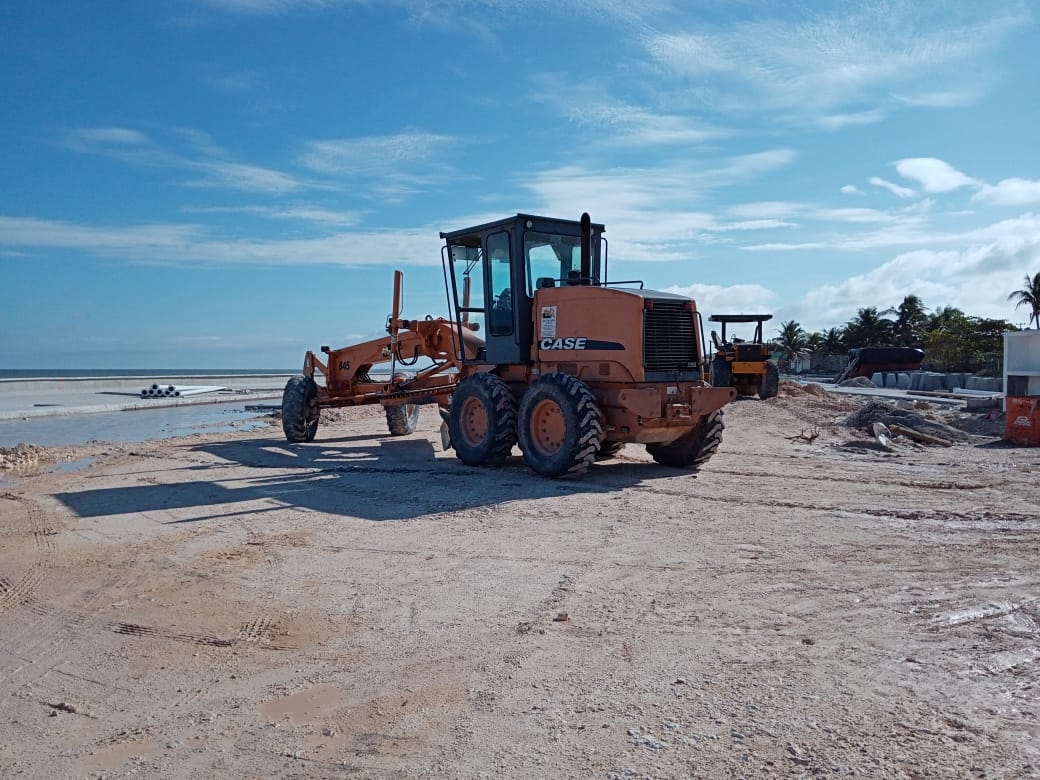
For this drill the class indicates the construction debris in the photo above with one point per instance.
(20, 456)
(178, 391)
(904, 422)
(923, 438)
(808, 435)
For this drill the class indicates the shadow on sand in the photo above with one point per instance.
(367, 477)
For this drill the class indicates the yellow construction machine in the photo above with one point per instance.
(745, 365)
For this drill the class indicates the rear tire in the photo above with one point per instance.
(560, 426)
(300, 410)
(719, 375)
(695, 448)
(482, 420)
(770, 381)
(402, 420)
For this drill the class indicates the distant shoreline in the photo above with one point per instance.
(132, 373)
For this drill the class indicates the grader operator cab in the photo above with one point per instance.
(570, 367)
(746, 366)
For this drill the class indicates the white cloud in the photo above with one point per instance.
(1010, 192)
(242, 177)
(237, 81)
(851, 189)
(734, 299)
(615, 122)
(818, 65)
(975, 275)
(195, 245)
(300, 213)
(774, 209)
(840, 121)
(201, 157)
(949, 99)
(895, 189)
(934, 175)
(372, 155)
(264, 7)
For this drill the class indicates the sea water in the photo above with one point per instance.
(132, 426)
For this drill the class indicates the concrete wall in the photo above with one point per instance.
(936, 381)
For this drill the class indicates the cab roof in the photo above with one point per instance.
(543, 224)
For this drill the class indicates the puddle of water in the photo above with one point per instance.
(127, 427)
(72, 465)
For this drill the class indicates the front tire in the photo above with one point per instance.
(300, 409)
(560, 426)
(482, 420)
(695, 448)
(402, 420)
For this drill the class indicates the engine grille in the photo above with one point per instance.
(749, 352)
(669, 338)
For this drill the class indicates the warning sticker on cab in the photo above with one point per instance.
(548, 322)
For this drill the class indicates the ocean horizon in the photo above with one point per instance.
(73, 373)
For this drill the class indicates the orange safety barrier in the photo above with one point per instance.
(1023, 420)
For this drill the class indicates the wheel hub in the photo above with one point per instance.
(548, 427)
(474, 421)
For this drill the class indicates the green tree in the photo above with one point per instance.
(942, 317)
(868, 329)
(791, 340)
(833, 342)
(1029, 296)
(911, 317)
(965, 343)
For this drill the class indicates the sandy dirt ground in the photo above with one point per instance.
(229, 605)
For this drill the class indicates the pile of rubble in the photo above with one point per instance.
(21, 456)
(884, 421)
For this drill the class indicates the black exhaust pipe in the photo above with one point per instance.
(586, 249)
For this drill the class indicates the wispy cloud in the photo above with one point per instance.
(195, 245)
(393, 167)
(816, 66)
(732, 299)
(653, 209)
(307, 214)
(841, 121)
(372, 155)
(235, 81)
(949, 99)
(1010, 192)
(895, 189)
(265, 7)
(933, 175)
(975, 275)
(206, 163)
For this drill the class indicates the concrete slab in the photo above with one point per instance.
(895, 394)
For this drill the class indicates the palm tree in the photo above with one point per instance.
(942, 318)
(791, 341)
(833, 342)
(868, 329)
(1029, 296)
(909, 326)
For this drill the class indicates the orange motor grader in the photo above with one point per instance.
(540, 351)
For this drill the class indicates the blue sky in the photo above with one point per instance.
(228, 183)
